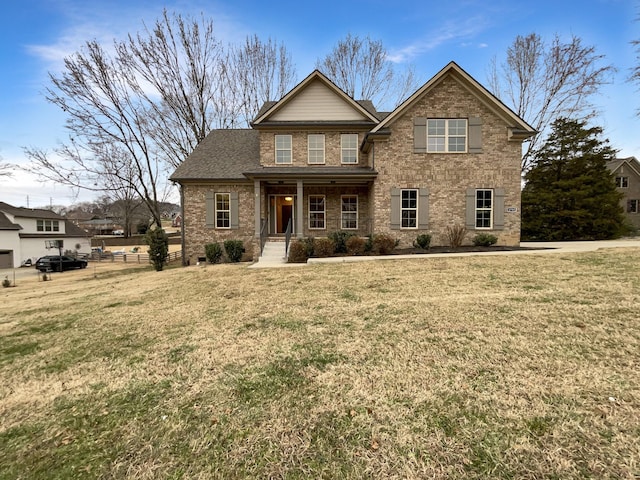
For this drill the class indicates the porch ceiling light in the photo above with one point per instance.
(288, 199)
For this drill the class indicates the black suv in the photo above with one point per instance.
(56, 263)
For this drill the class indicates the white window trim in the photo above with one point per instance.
(43, 225)
(290, 149)
(624, 181)
(402, 208)
(216, 210)
(446, 136)
(343, 148)
(342, 212)
(315, 149)
(490, 209)
(324, 212)
(636, 204)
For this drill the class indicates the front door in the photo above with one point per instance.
(281, 208)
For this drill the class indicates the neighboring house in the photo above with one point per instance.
(27, 233)
(626, 172)
(100, 226)
(449, 155)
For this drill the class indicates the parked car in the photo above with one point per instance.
(57, 263)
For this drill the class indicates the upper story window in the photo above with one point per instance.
(409, 208)
(447, 135)
(622, 182)
(484, 208)
(349, 147)
(316, 148)
(47, 226)
(283, 148)
(223, 210)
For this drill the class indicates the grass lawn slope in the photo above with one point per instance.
(479, 367)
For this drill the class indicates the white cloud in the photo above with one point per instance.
(449, 32)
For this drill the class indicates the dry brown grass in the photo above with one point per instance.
(500, 367)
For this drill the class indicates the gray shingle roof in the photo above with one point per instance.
(28, 212)
(222, 155)
(6, 224)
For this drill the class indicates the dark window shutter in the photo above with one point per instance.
(423, 208)
(395, 209)
(475, 135)
(420, 135)
(210, 207)
(234, 207)
(498, 209)
(470, 213)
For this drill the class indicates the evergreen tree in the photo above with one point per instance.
(158, 247)
(569, 192)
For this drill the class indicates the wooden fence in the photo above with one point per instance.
(130, 257)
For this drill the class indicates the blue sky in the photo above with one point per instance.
(38, 34)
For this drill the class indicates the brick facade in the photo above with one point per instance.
(448, 175)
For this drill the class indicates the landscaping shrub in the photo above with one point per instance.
(383, 244)
(423, 241)
(484, 240)
(6, 283)
(323, 247)
(234, 249)
(158, 247)
(455, 235)
(355, 245)
(340, 240)
(298, 252)
(308, 243)
(213, 251)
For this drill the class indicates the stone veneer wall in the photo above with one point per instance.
(197, 234)
(447, 176)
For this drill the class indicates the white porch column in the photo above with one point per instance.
(257, 212)
(299, 210)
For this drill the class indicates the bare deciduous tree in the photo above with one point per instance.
(138, 112)
(544, 82)
(361, 68)
(635, 71)
(6, 169)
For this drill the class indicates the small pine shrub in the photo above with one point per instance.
(340, 240)
(323, 247)
(213, 252)
(484, 240)
(423, 241)
(158, 247)
(455, 235)
(383, 244)
(368, 245)
(355, 245)
(298, 252)
(6, 283)
(234, 249)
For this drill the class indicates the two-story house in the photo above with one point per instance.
(322, 161)
(626, 172)
(28, 233)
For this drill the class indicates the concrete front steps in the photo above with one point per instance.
(273, 255)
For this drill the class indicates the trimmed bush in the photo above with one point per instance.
(423, 241)
(308, 243)
(484, 240)
(298, 252)
(383, 244)
(340, 240)
(234, 249)
(355, 245)
(323, 247)
(455, 235)
(213, 251)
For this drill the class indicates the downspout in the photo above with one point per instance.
(182, 236)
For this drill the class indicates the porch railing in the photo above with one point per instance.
(263, 234)
(287, 237)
